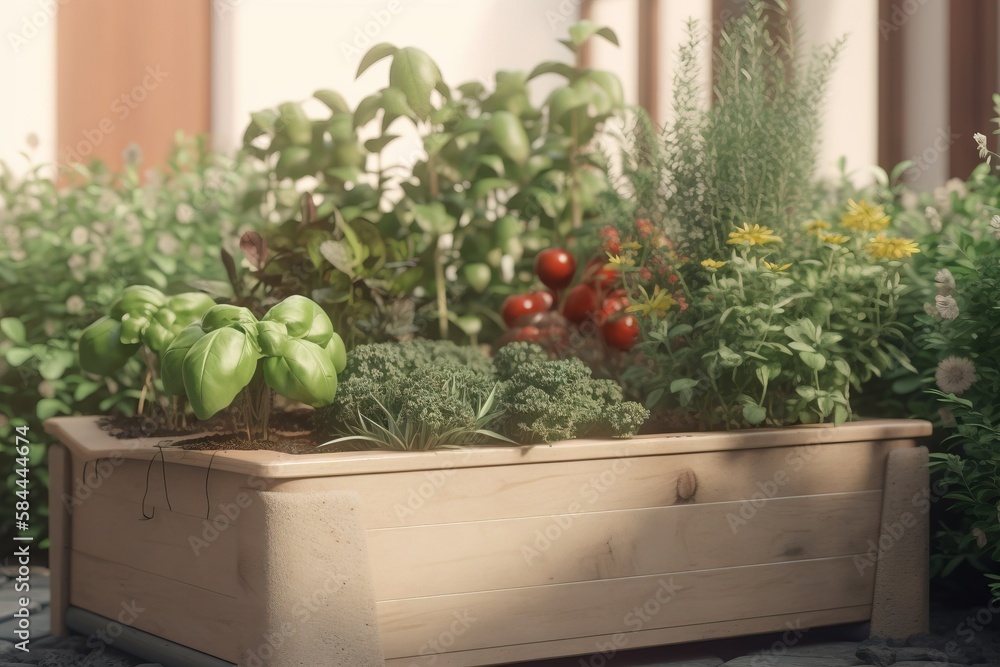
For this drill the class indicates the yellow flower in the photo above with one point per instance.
(659, 303)
(835, 239)
(632, 245)
(864, 217)
(776, 268)
(884, 247)
(817, 226)
(620, 260)
(756, 235)
(713, 264)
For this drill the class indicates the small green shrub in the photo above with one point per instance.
(426, 394)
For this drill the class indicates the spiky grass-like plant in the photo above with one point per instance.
(751, 155)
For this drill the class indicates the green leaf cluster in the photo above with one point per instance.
(429, 394)
(394, 249)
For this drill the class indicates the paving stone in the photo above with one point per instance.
(917, 654)
(842, 650)
(876, 651)
(758, 660)
(921, 663)
(701, 662)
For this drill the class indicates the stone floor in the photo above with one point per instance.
(969, 637)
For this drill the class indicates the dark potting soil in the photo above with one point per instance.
(284, 442)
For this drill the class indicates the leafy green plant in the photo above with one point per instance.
(67, 249)
(445, 238)
(427, 394)
(292, 350)
(755, 309)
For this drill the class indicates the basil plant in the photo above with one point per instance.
(231, 356)
(140, 316)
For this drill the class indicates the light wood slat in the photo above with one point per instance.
(543, 489)
(600, 645)
(126, 479)
(170, 545)
(500, 492)
(201, 619)
(511, 553)
(563, 611)
(87, 441)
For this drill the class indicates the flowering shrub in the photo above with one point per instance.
(761, 302)
(959, 335)
(781, 329)
(65, 255)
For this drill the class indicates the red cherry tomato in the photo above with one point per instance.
(543, 299)
(580, 303)
(622, 333)
(600, 276)
(612, 304)
(527, 335)
(555, 267)
(517, 306)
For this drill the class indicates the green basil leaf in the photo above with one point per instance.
(413, 72)
(101, 348)
(338, 352)
(216, 369)
(508, 132)
(302, 371)
(189, 307)
(303, 318)
(224, 315)
(137, 301)
(172, 360)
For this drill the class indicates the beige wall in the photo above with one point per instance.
(28, 77)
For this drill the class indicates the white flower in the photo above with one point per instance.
(79, 235)
(95, 260)
(196, 252)
(18, 255)
(46, 389)
(955, 375)
(957, 185)
(184, 213)
(32, 233)
(981, 143)
(4, 421)
(909, 200)
(167, 244)
(947, 418)
(980, 537)
(945, 282)
(933, 218)
(995, 226)
(32, 140)
(76, 262)
(930, 309)
(75, 304)
(946, 306)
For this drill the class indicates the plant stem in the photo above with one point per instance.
(442, 294)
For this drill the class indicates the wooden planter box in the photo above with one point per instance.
(491, 555)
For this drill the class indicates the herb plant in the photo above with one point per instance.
(760, 302)
(427, 394)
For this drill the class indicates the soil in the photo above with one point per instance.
(291, 433)
(286, 443)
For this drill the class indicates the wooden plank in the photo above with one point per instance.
(603, 645)
(513, 553)
(544, 489)
(131, 72)
(179, 488)
(565, 611)
(59, 466)
(169, 545)
(87, 441)
(170, 609)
